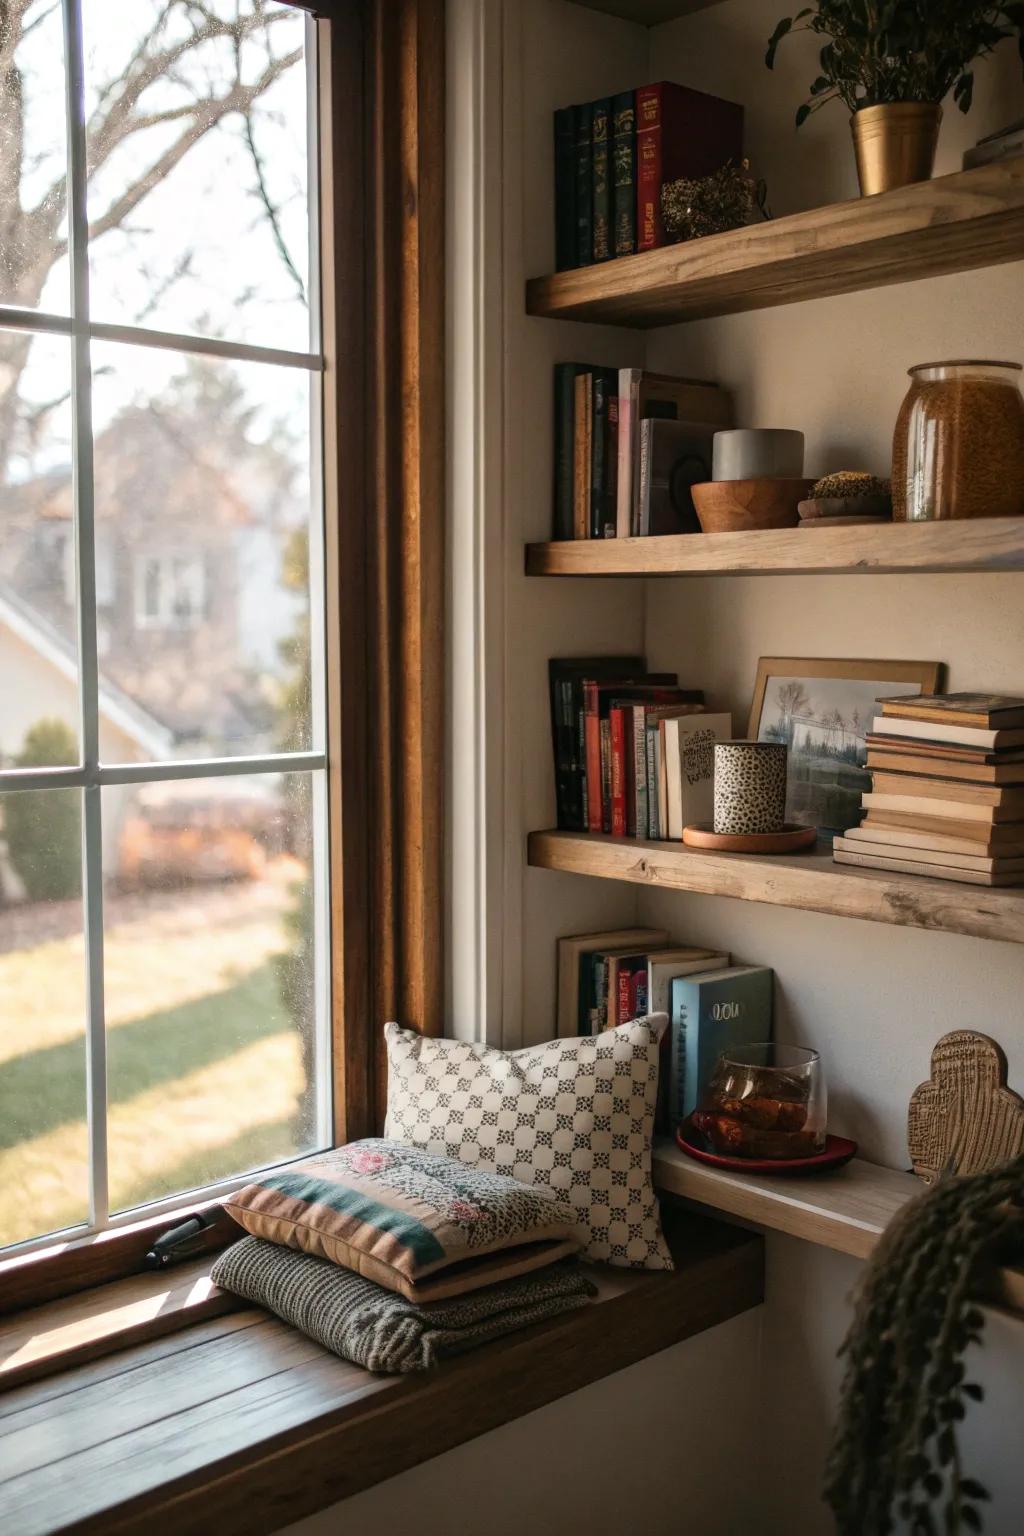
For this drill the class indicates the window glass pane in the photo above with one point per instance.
(197, 168)
(43, 1142)
(33, 159)
(38, 625)
(209, 979)
(202, 473)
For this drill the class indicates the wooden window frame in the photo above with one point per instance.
(381, 192)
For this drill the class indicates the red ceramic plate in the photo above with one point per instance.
(838, 1150)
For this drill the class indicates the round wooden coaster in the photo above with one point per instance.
(701, 834)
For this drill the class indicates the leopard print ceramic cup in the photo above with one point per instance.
(750, 786)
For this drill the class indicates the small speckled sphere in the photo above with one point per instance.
(750, 787)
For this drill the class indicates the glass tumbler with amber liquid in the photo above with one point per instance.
(766, 1101)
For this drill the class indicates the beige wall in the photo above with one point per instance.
(636, 1453)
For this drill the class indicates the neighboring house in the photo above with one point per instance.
(191, 521)
(39, 680)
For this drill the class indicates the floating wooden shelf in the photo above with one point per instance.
(807, 881)
(951, 224)
(982, 544)
(847, 1210)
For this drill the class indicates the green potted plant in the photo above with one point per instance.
(892, 63)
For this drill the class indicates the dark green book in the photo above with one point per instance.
(583, 118)
(623, 174)
(565, 412)
(602, 181)
(565, 189)
(603, 462)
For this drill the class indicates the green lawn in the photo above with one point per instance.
(196, 1092)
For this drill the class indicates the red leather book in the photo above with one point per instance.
(679, 132)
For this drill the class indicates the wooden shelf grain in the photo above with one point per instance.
(980, 544)
(847, 1210)
(950, 224)
(244, 1425)
(809, 882)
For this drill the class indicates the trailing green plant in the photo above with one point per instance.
(881, 51)
(43, 828)
(895, 1456)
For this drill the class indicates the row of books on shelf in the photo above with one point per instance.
(606, 979)
(947, 790)
(613, 155)
(634, 752)
(629, 444)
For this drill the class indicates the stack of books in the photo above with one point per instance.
(634, 752)
(609, 978)
(613, 155)
(628, 447)
(947, 792)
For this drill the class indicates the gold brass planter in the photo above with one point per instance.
(895, 144)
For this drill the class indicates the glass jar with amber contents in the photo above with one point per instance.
(765, 1101)
(958, 449)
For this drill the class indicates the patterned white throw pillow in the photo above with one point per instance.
(574, 1115)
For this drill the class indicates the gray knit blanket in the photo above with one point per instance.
(379, 1329)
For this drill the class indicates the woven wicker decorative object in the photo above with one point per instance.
(964, 1118)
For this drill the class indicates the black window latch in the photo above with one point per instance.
(179, 1242)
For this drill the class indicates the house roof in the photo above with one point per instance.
(154, 738)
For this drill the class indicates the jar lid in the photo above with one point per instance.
(966, 362)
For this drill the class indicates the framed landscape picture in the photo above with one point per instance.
(823, 710)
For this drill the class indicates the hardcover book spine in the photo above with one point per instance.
(653, 828)
(580, 727)
(643, 511)
(565, 396)
(639, 824)
(565, 189)
(611, 458)
(601, 179)
(628, 387)
(594, 757)
(618, 764)
(584, 118)
(606, 777)
(599, 1011)
(582, 408)
(574, 773)
(624, 1001)
(624, 173)
(649, 228)
(563, 758)
(598, 446)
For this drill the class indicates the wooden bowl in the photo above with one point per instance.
(734, 506)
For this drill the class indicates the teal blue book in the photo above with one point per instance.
(712, 1012)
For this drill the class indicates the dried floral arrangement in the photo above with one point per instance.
(709, 205)
(895, 1461)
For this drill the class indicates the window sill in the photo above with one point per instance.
(242, 1424)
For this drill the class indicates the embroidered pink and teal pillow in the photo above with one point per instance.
(417, 1223)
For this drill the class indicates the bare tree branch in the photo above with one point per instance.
(263, 193)
(206, 115)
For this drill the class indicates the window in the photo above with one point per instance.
(170, 591)
(163, 791)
